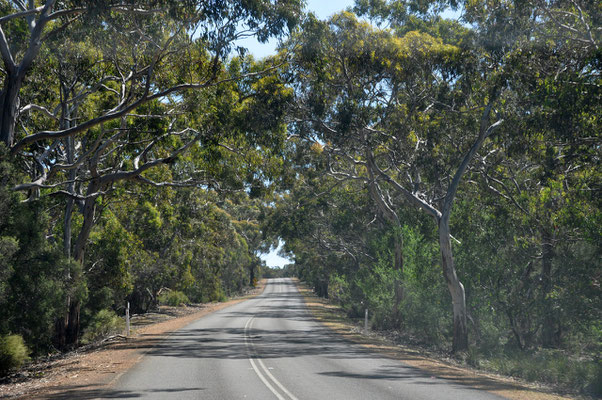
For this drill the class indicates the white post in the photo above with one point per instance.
(366, 322)
(127, 320)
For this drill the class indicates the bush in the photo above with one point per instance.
(13, 352)
(173, 298)
(103, 324)
(549, 366)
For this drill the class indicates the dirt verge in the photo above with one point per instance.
(333, 318)
(88, 371)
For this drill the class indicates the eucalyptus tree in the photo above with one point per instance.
(30, 26)
(326, 225)
(544, 157)
(404, 114)
(121, 74)
(545, 170)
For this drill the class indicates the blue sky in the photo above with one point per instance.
(272, 259)
(322, 8)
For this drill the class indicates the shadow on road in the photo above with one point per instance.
(83, 392)
(294, 338)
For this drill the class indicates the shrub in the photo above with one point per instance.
(103, 324)
(13, 352)
(173, 298)
(549, 366)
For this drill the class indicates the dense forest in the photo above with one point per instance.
(443, 173)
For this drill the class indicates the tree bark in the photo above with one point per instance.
(70, 332)
(9, 103)
(68, 325)
(455, 287)
(549, 331)
(62, 323)
(89, 212)
(70, 150)
(15, 73)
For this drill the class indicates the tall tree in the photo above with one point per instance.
(119, 109)
(397, 110)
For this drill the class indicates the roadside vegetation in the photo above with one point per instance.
(517, 375)
(442, 173)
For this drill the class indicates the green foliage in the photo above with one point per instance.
(32, 269)
(265, 143)
(103, 324)
(552, 367)
(111, 250)
(13, 353)
(173, 298)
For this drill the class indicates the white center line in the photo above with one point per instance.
(253, 357)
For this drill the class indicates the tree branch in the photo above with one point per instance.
(483, 134)
(123, 110)
(34, 41)
(41, 109)
(377, 195)
(19, 14)
(7, 57)
(411, 197)
(125, 175)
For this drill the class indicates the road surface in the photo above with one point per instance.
(270, 347)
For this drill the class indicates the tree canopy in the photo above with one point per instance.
(443, 173)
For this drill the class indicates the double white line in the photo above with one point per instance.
(262, 371)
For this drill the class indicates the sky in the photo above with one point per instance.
(323, 9)
(272, 259)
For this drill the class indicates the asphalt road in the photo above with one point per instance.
(269, 347)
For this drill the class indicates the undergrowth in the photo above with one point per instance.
(13, 353)
(173, 298)
(552, 367)
(103, 324)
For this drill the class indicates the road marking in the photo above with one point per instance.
(276, 380)
(253, 357)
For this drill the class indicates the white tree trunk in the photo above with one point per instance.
(456, 289)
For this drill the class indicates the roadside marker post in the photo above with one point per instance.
(127, 320)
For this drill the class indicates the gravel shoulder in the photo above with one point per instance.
(84, 373)
(332, 317)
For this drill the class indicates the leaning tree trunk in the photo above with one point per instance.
(9, 103)
(456, 289)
